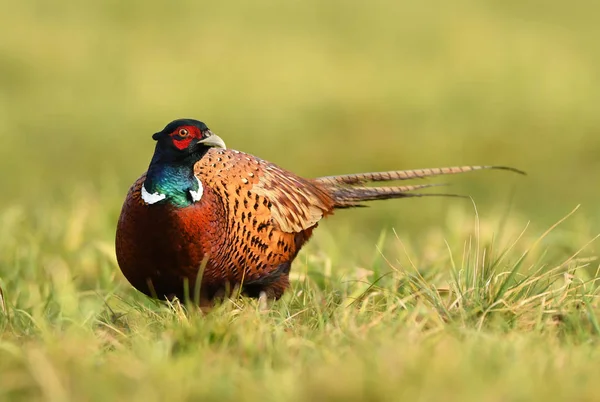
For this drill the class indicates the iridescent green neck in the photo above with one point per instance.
(172, 182)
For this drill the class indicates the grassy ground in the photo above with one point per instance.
(433, 299)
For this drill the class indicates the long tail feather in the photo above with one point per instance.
(346, 197)
(361, 178)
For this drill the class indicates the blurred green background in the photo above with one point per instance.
(319, 87)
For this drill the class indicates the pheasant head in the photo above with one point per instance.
(170, 177)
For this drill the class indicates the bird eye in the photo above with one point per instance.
(183, 133)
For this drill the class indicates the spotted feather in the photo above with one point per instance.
(215, 219)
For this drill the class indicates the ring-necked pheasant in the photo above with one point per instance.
(205, 219)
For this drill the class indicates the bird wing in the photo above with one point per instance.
(294, 204)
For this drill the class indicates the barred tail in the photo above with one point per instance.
(347, 197)
(361, 178)
(347, 194)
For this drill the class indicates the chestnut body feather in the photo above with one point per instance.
(244, 223)
(235, 229)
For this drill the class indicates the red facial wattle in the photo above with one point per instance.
(182, 144)
(180, 141)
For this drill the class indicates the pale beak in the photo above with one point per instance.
(213, 140)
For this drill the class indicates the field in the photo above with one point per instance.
(493, 298)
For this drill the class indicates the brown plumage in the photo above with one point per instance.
(247, 225)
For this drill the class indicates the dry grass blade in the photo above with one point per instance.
(3, 302)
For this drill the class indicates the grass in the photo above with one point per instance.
(479, 314)
(429, 299)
